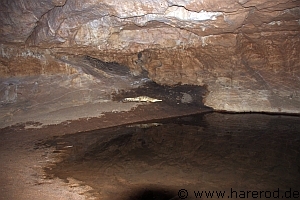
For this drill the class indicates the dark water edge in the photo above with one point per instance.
(247, 156)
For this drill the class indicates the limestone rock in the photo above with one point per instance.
(247, 52)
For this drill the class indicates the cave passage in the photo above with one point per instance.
(149, 99)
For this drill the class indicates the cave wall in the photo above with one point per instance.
(247, 52)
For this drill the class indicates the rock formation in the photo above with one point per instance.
(247, 52)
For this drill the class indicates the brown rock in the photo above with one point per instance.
(245, 51)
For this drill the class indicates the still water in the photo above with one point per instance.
(205, 156)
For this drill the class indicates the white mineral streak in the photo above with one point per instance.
(181, 13)
(204, 40)
(275, 22)
(176, 14)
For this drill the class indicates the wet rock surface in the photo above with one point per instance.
(207, 152)
(22, 162)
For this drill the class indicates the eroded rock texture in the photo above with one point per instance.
(247, 52)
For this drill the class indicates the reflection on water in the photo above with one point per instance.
(234, 153)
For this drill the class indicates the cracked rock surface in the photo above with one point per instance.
(247, 52)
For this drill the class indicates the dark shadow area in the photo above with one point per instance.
(145, 193)
(207, 152)
(176, 95)
(110, 68)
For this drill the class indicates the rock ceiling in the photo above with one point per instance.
(247, 52)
